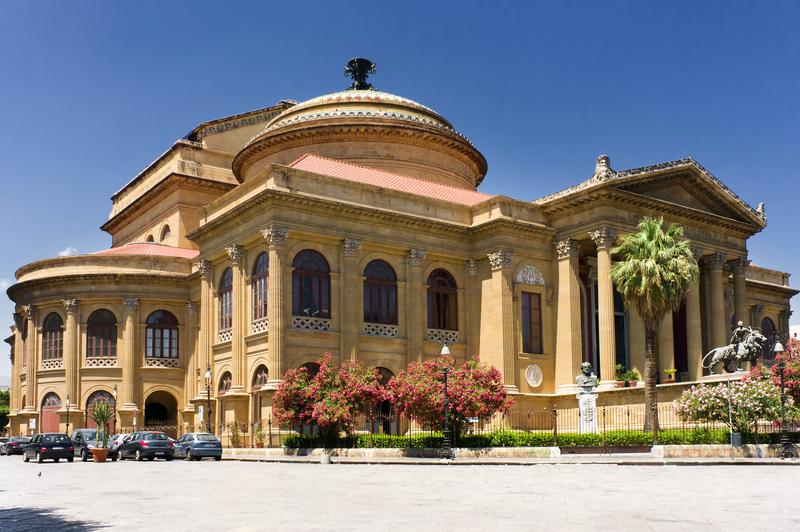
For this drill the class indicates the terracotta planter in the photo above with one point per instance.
(99, 455)
(620, 384)
(669, 380)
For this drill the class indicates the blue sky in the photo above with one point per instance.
(92, 92)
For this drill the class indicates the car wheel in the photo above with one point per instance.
(169, 458)
(56, 460)
(84, 455)
(151, 458)
(114, 459)
(121, 456)
(139, 456)
(217, 458)
(70, 459)
(25, 457)
(39, 458)
(188, 456)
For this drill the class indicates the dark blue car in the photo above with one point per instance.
(197, 445)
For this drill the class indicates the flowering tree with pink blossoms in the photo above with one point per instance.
(473, 390)
(333, 399)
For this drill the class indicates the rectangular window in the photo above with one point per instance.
(532, 323)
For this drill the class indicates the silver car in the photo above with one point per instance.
(198, 445)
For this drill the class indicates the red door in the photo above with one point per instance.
(48, 421)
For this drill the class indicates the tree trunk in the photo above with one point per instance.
(650, 393)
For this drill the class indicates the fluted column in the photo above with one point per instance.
(276, 306)
(71, 350)
(497, 315)
(637, 340)
(351, 293)
(30, 357)
(473, 299)
(568, 329)
(206, 322)
(236, 255)
(694, 333)
(717, 322)
(416, 310)
(739, 268)
(666, 345)
(190, 385)
(131, 356)
(604, 240)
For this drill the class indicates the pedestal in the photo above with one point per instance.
(587, 403)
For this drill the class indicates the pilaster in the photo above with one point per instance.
(351, 290)
(415, 309)
(71, 337)
(276, 306)
(236, 255)
(497, 347)
(31, 336)
(130, 354)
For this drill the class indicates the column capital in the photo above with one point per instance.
(205, 268)
(235, 254)
(500, 259)
(697, 252)
(566, 248)
(414, 257)
(70, 305)
(131, 303)
(274, 235)
(191, 307)
(603, 237)
(29, 312)
(471, 266)
(351, 247)
(715, 261)
(739, 265)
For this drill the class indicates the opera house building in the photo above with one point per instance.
(354, 223)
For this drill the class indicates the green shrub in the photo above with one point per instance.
(626, 438)
(571, 439)
(693, 437)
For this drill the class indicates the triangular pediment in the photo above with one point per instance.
(681, 191)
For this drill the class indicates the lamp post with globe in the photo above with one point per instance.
(446, 452)
(786, 443)
(208, 398)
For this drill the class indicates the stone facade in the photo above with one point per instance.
(205, 273)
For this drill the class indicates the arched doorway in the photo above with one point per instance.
(161, 413)
(101, 395)
(50, 407)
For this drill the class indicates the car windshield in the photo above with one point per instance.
(21, 440)
(90, 436)
(158, 436)
(206, 437)
(56, 438)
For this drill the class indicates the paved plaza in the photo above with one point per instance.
(278, 496)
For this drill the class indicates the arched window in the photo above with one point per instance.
(51, 399)
(442, 301)
(225, 298)
(101, 334)
(150, 239)
(161, 340)
(52, 337)
(380, 293)
(260, 377)
(311, 285)
(768, 330)
(165, 233)
(259, 285)
(225, 383)
(312, 368)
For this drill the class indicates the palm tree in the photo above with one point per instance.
(653, 272)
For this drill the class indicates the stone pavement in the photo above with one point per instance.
(242, 496)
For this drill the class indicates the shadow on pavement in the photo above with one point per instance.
(19, 519)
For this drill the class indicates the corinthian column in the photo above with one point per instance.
(604, 239)
(739, 267)
(206, 328)
(351, 294)
(718, 326)
(30, 357)
(236, 255)
(130, 355)
(276, 306)
(497, 310)
(694, 334)
(191, 353)
(71, 350)
(415, 309)
(568, 329)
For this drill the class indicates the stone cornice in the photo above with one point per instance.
(221, 125)
(75, 282)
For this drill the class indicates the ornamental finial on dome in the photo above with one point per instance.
(359, 69)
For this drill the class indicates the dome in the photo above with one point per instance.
(368, 127)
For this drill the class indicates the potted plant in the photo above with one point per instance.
(669, 375)
(631, 379)
(260, 436)
(619, 369)
(101, 413)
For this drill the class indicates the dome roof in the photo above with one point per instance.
(368, 127)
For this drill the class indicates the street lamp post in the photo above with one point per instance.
(447, 450)
(114, 393)
(208, 398)
(68, 414)
(786, 444)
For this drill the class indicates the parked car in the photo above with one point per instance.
(15, 445)
(49, 446)
(85, 440)
(114, 443)
(147, 444)
(197, 445)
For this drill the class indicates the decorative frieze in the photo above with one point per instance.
(161, 362)
(471, 267)
(259, 326)
(235, 254)
(206, 269)
(274, 235)
(415, 257)
(351, 247)
(381, 329)
(131, 303)
(101, 362)
(311, 323)
(500, 259)
(70, 305)
(566, 248)
(604, 237)
(715, 261)
(529, 274)
(442, 336)
(56, 363)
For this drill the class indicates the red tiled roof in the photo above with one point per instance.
(148, 248)
(371, 176)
